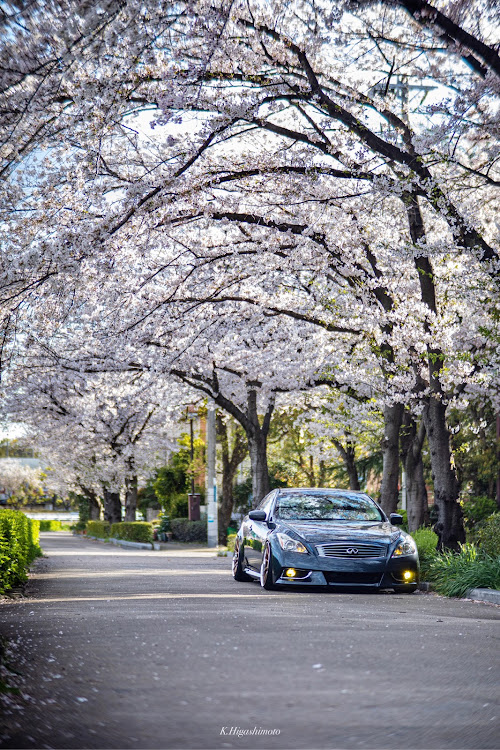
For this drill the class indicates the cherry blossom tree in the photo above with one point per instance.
(14, 476)
(294, 169)
(98, 433)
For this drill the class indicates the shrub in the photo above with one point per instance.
(100, 529)
(452, 574)
(184, 530)
(403, 513)
(164, 524)
(35, 538)
(170, 485)
(477, 509)
(50, 526)
(132, 531)
(231, 538)
(488, 536)
(426, 541)
(18, 547)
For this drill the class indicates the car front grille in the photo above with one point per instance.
(351, 550)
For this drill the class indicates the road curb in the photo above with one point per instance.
(123, 542)
(484, 595)
(479, 595)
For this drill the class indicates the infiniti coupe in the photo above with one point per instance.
(324, 537)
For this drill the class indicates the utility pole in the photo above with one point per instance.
(191, 450)
(212, 520)
(193, 497)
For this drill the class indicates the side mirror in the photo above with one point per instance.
(396, 519)
(257, 515)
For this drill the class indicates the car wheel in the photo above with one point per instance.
(238, 572)
(266, 569)
(406, 589)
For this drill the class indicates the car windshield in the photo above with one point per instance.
(327, 507)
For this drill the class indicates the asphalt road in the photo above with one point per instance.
(136, 649)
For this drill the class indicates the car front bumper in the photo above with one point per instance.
(312, 570)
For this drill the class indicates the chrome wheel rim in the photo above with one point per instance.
(236, 556)
(264, 568)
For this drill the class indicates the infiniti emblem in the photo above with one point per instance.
(352, 551)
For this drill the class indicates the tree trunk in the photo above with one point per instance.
(257, 447)
(411, 442)
(389, 491)
(226, 505)
(310, 473)
(348, 455)
(112, 506)
(94, 507)
(416, 493)
(231, 459)
(131, 498)
(449, 526)
(257, 444)
(322, 474)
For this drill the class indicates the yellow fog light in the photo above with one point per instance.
(407, 575)
(290, 572)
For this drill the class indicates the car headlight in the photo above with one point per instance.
(290, 545)
(405, 546)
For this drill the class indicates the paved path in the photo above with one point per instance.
(138, 649)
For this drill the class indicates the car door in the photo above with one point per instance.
(255, 533)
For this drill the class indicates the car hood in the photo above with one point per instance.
(317, 532)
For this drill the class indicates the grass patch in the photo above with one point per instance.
(453, 574)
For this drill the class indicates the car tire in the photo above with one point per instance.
(266, 569)
(406, 589)
(238, 572)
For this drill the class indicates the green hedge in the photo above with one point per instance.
(184, 530)
(50, 526)
(100, 529)
(426, 541)
(133, 531)
(488, 536)
(476, 510)
(18, 547)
